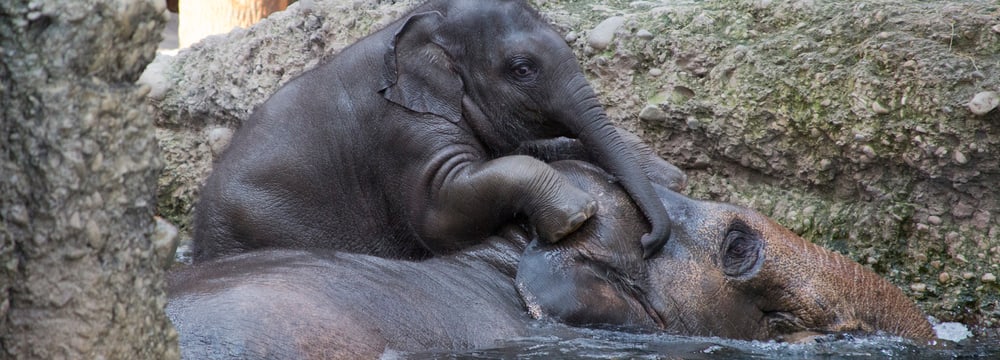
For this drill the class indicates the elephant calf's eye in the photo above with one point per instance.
(522, 69)
(741, 251)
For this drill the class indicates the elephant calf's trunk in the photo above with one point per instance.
(614, 154)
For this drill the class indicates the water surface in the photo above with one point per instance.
(555, 342)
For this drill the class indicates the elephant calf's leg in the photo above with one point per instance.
(476, 198)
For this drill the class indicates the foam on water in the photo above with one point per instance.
(952, 331)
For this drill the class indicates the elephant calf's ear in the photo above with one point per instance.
(419, 74)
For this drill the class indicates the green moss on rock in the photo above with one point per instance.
(847, 123)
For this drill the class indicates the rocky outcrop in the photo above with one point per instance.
(81, 275)
(855, 125)
(849, 123)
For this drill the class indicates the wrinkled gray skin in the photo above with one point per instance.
(321, 304)
(422, 138)
(726, 271)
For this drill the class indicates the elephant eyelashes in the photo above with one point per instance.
(741, 251)
(522, 69)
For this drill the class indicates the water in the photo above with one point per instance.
(576, 343)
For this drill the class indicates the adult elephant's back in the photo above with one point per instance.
(297, 304)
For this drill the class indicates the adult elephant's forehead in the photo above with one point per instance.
(617, 223)
(710, 220)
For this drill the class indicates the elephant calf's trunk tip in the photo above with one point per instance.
(654, 241)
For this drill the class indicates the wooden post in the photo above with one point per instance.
(200, 18)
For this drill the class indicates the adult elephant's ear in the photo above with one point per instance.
(419, 74)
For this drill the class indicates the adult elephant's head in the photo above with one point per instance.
(727, 271)
(498, 69)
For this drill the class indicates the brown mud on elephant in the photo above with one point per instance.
(726, 271)
(422, 138)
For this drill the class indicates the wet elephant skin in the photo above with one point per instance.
(727, 271)
(320, 304)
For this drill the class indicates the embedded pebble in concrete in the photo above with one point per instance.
(572, 36)
(960, 157)
(983, 102)
(989, 278)
(644, 34)
(155, 76)
(218, 139)
(652, 113)
(164, 240)
(944, 278)
(601, 36)
(878, 108)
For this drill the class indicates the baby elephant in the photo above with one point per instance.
(422, 138)
(726, 271)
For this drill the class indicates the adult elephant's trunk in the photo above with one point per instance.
(607, 148)
(846, 295)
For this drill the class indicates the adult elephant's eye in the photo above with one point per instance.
(741, 251)
(522, 69)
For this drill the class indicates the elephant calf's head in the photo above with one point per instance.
(500, 70)
(727, 271)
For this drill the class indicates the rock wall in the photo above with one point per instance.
(852, 124)
(81, 274)
(849, 123)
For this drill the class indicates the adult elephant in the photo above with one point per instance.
(322, 304)
(727, 271)
(412, 141)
